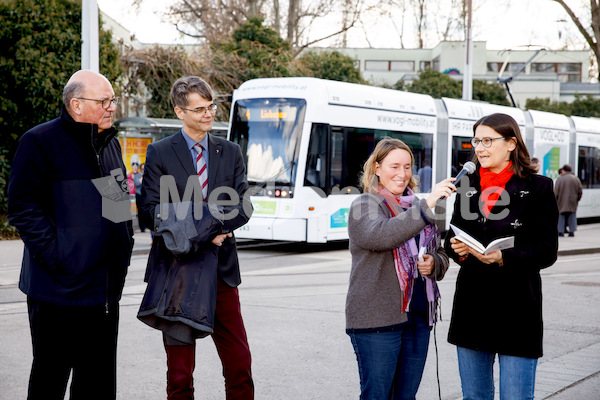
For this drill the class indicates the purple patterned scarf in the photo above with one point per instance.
(405, 256)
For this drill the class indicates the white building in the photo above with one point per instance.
(557, 75)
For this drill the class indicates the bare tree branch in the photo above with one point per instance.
(592, 41)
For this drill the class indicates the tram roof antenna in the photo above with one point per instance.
(505, 81)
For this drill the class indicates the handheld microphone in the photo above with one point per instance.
(468, 168)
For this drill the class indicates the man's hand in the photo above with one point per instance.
(219, 239)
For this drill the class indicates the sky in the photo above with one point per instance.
(504, 24)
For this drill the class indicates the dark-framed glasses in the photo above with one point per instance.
(201, 110)
(105, 103)
(486, 141)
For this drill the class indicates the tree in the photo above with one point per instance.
(150, 73)
(420, 19)
(585, 106)
(544, 104)
(590, 33)
(41, 49)
(436, 84)
(215, 21)
(490, 92)
(254, 51)
(331, 65)
(423, 23)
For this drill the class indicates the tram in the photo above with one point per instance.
(305, 140)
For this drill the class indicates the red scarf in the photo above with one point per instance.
(492, 186)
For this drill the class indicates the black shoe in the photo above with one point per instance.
(571, 234)
(561, 234)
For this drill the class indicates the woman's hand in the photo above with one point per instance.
(463, 250)
(493, 257)
(219, 239)
(426, 266)
(459, 247)
(442, 189)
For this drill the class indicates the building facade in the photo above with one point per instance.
(557, 75)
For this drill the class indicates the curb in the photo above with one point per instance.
(568, 252)
(575, 252)
(141, 251)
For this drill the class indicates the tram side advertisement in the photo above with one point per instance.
(551, 146)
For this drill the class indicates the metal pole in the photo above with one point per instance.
(468, 73)
(90, 47)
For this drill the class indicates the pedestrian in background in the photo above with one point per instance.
(535, 164)
(138, 178)
(75, 260)
(392, 298)
(497, 307)
(424, 175)
(192, 280)
(568, 192)
(135, 165)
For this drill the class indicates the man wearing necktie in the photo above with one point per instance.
(195, 294)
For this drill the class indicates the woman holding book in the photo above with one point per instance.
(498, 300)
(392, 297)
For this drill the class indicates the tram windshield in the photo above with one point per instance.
(269, 131)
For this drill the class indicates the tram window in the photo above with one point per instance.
(316, 162)
(462, 151)
(359, 143)
(589, 167)
(337, 162)
(268, 132)
(350, 148)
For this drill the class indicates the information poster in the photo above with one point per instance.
(134, 149)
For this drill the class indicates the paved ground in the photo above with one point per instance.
(296, 301)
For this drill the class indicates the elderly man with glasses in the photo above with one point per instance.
(76, 256)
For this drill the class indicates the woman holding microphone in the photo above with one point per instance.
(397, 258)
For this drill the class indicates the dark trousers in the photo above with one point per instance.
(138, 205)
(81, 340)
(232, 345)
(567, 219)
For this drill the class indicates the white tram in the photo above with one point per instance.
(305, 140)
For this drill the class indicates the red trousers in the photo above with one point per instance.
(232, 345)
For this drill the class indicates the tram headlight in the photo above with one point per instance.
(278, 192)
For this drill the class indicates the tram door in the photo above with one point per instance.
(462, 151)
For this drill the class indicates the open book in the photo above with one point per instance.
(498, 244)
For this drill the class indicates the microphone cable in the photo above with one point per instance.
(437, 360)
(437, 363)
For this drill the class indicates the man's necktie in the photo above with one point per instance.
(201, 170)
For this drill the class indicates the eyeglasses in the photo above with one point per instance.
(201, 110)
(105, 103)
(486, 141)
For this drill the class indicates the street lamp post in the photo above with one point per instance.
(467, 92)
(90, 47)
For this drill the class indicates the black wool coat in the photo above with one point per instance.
(73, 254)
(499, 308)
